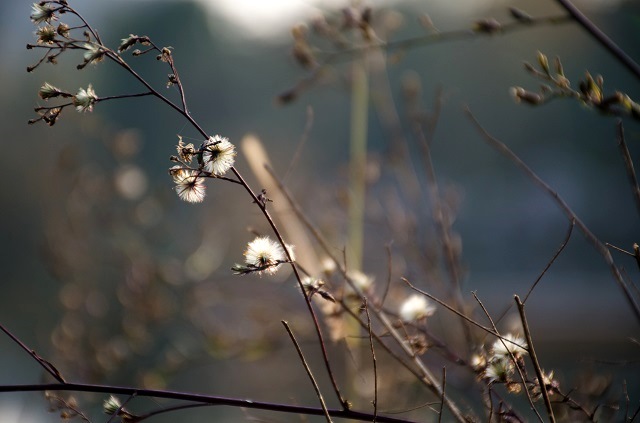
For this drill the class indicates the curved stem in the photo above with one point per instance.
(602, 38)
(202, 399)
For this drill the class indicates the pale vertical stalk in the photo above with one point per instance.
(358, 162)
(357, 194)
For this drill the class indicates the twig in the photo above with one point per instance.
(202, 399)
(301, 143)
(444, 386)
(389, 273)
(426, 376)
(121, 407)
(539, 278)
(607, 42)
(308, 370)
(534, 359)
(419, 41)
(50, 368)
(628, 163)
(513, 358)
(453, 310)
(375, 365)
(597, 244)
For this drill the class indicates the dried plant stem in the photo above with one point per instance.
(602, 38)
(440, 217)
(201, 400)
(547, 267)
(534, 359)
(425, 374)
(358, 162)
(308, 370)
(513, 358)
(325, 355)
(375, 363)
(444, 386)
(628, 163)
(597, 244)
(420, 41)
(50, 368)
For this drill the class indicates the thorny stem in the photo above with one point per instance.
(209, 400)
(534, 359)
(597, 244)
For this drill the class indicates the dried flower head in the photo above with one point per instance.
(218, 155)
(46, 34)
(85, 99)
(42, 13)
(111, 405)
(94, 53)
(498, 369)
(189, 184)
(502, 347)
(416, 307)
(63, 30)
(264, 255)
(48, 91)
(185, 151)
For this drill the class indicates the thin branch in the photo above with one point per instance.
(597, 244)
(308, 370)
(50, 368)
(419, 41)
(539, 278)
(602, 38)
(448, 307)
(375, 365)
(513, 358)
(628, 163)
(325, 355)
(444, 386)
(426, 375)
(201, 399)
(534, 359)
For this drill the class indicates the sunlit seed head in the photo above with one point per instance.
(190, 185)
(502, 347)
(416, 307)
(264, 254)
(42, 13)
(498, 370)
(85, 99)
(218, 155)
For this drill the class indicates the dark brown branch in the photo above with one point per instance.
(201, 399)
(308, 370)
(50, 368)
(597, 244)
(628, 164)
(534, 359)
(602, 38)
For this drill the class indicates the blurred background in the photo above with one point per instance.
(112, 278)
